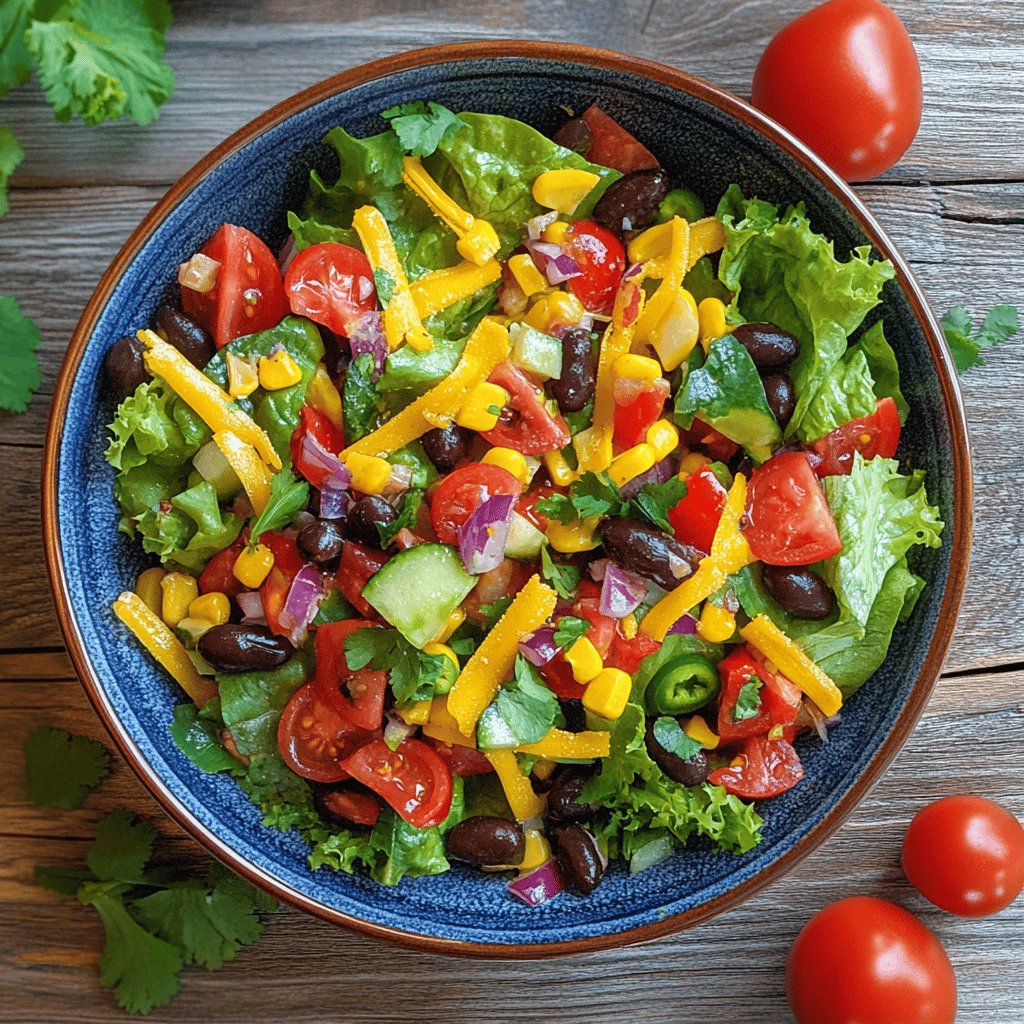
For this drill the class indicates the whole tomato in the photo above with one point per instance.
(844, 78)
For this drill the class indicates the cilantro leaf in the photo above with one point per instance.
(1001, 324)
(121, 848)
(19, 367)
(11, 155)
(564, 578)
(405, 520)
(494, 611)
(569, 629)
(412, 674)
(288, 496)
(671, 736)
(385, 285)
(61, 770)
(526, 705)
(100, 59)
(422, 127)
(15, 60)
(198, 739)
(748, 700)
(655, 500)
(63, 881)
(361, 403)
(595, 494)
(558, 507)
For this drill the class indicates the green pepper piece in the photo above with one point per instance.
(683, 686)
(680, 202)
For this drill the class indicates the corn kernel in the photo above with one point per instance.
(663, 437)
(629, 626)
(178, 590)
(691, 462)
(558, 468)
(479, 244)
(555, 232)
(608, 693)
(631, 463)
(510, 460)
(570, 538)
(323, 396)
(243, 379)
(417, 713)
(559, 309)
(253, 565)
(455, 619)
(584, 660)
(653, 244)
(442, 649)
(697, 729)
(675, 335)
(711, 316)
(147, 586)
(279, 371)
(716, 624)
(482, 407)
(634, 367)
(527, 276)
(213, 607)
(563, 189)
(370, 473)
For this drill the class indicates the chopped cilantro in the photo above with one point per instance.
(564, 578)
(19, 367)
(654, 501)
(569, 629)
(748, 700)
(557, 507)
(405, 520)
(671, 736)
(385, 286)
(61, 770)
(1001, 324)
(594, 494)
(422, 127)
(288, 496)
(526, 705)
(494, 410)
(412, 673)
(492, 612)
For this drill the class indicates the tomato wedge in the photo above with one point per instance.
(357, 565)
(357, 695)
(525, 424)
(274, 591)
(332, 284)
(413, 779)
(778, 698)
(351, 805)
(877, 434)
(464, 761)
(313, 738)
(462, 492)
(219, 574)
(613, 146)
(602, 259)
(695, 519)
(632, 421)
(788, 519)
(767, 768)
(313, 423)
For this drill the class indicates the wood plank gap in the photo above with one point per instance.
(986, 670)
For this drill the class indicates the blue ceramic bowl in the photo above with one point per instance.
(707, 139)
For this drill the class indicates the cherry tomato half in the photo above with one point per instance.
(357, 565)
(877, 434)
(767, 768)
(966, 855)
(274, 589)
(352, 805)
(332, 284)
(601, 258)
(613, 146)
(219, 574)
(462, 492)
(526, 425)
(313, 738)
(356, 694)
(778, 698)
(695, 519)
(313, 423)
(464, 761)
(866, 961)
(248, 296)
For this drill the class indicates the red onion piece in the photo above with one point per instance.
(621, 593)
(685, 625)
(251, 604)
(539, 647)
(300, 606)
(367, 335)
(339, 478)
(482, 538)
(539, 886)
(334, 503)
(535, 226)
(632, 271)
(598, 568)
(398, 482)
(557, 266)
(655, 475)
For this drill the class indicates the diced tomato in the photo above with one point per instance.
(359, 808)
(767, 768)
(248, 295)
(613, 146)
(695, 519)
(602, 259)
(332, 284)
(632, 421)
(557, 673)
(526, 506)
(779, 699)
(314, 738)
(313, 423)
(628, 654)
(274, 591)
(357, 565)
(525, 424)
(788, 519)
(462, 492)
(413, 779)
(356, 694)
(464, 761)
(602, 627)
(702, 436)
(877, 434)
(219, 575)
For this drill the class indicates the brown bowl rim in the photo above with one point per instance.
(592, 57)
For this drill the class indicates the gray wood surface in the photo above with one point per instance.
(955, 207)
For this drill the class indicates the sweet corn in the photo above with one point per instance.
(631, 463)
(323, 396)
(479, 244)
(634, 367)
(629, 626)
(711, 317)
(543, 768)
(558, 468)
(147, 586)
(563, 189)
(716, 624)
(607, 693)
(697, 729)
(417, 713)
(691, 462)
(583, 659)
(370, 473)
(213, 607)
(559, 309)
(278, 371)
(555, 232)
(527, 276)
(663, 437)
(179, 590)
(455, 619)
(511, 460)
(243, 377)
(570, 538)
(482, 407)
(253, 565)
(442, 649)
(652, 244)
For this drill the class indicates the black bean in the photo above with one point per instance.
(576, 135)
(578, 858)
(186, 336)
(123, 367)
(799, 591)
(320, 542)
(648, 552)
(632, 202)
(690, 771)
(487, 841)
(575, 387)
(769, 346)
(447, 448)
(573, 713)
(779, 391)
(564, 797)
(362, 517)
(231, 648)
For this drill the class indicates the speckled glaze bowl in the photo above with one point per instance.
(707, 139)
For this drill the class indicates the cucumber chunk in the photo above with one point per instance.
(535, 351)
(524, 539)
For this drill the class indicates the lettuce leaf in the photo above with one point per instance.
(884, 369)
(847, 393)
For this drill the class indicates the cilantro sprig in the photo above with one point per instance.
(1001, 324)
(596, 494)
(413, 674)
(288, 496)
(564, 578)
(422, 127)
(61, 770)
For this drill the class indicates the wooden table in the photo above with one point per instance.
(955, 206)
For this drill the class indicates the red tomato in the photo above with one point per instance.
(628, 654)
(767, 768)
(695, 519)
(313, 738)
(866, 961)
(219, 575)
(464, 761)
(599, 254)
(613, 146)
(526, 506)
(332, 284)
(632, 421)
(715, 444)
(248, 296)
(413, 779)
(602, 627)
(966, 855)
(462, 492)
(359, 808)
(529, 427)
(780, 699)
(313, 423)
(274, 590)
(788, 519)
(357, 695)
(877, 434)
(844, 78)
(558, 675)
(357, 565)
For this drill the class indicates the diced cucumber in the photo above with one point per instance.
(189, 630)
(524, 539)
(211, 465)
(493, 732)
(418, 589)
(535, 351)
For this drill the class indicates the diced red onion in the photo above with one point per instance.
(539, 647)
(632, 271)
(598, 568)
(251, 604)
(657, 474)
(482, 538)
(685, 625)
(396, 729)
(199, 274)
(398, 482)
(621, 593)
(287, 254)
(535, 226)
(539, 886)
(300, 606)
(367, 335)
(334, 503)
(558, 266)
(339, 478)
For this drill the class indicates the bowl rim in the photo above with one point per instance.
(590, 57)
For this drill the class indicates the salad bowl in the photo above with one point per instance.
(703, 136)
